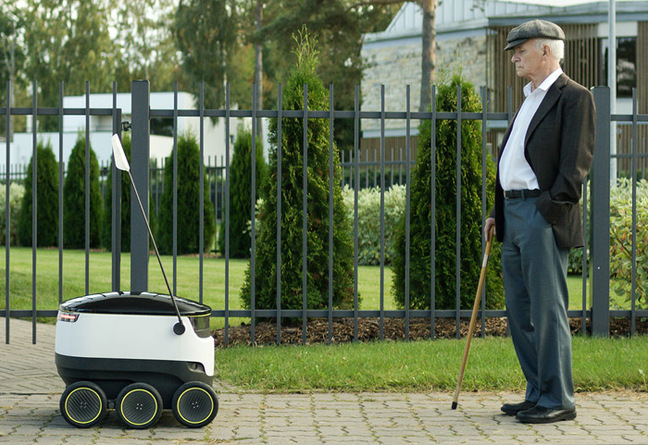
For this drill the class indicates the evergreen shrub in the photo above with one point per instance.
(445, 222)
(47, 196)
(369, 221)
(189, 165)
(16, 192)
(241, 193)
(74, 199)
(291, 205)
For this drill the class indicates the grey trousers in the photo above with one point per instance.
(535, 287)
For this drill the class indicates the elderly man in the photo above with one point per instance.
(545, 156)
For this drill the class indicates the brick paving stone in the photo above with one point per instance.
(30, 390)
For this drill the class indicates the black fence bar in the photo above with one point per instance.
(458, 214)
(86, 180)
(227, 206)
(279, 199)
(115, 236)
(8, 211)
(600, 220)
(175, 188)
(330, 214)
(305, 214)
(633, 164)
(382, 210)
(34, 205)
(433, 119)
(485, 209)
(253, 168)
(407, 212)
(140, 155)
(60, 197)
(584, 261)
(201, 194)
(356, 172)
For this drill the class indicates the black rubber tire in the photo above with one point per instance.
(83, 404)
(139, 406)
(195, 404)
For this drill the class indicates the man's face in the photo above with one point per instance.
(528, 59)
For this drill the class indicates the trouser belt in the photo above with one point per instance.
(521, 194)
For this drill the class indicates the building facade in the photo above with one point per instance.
(471, 36)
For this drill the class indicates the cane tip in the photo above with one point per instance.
(454, 405)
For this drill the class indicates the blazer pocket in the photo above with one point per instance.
(554, 212)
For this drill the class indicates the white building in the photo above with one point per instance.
(100, 128)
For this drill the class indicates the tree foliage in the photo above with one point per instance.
(317, 230)
(241, 193)
(68, 40)
(206, 32)
(12, 53)
(47, 200)
(145, 45)
(74, 198)
(445, 206)
(338, 26)
(189, 165)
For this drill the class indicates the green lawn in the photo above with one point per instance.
(598, 364)
(187, 284)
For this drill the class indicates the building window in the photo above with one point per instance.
(626, 76)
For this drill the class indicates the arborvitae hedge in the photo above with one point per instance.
(240, 193)
(189, 166)
(74, 199)
(106, 227)
(291, 205)
(47, 196)
(445, 223)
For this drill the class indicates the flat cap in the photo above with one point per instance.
(534, 29)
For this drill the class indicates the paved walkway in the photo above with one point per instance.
(30, 389)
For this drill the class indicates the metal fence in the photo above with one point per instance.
(597, 204)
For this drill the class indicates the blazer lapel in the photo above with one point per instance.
(553, 94)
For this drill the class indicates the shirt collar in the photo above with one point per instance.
(546, 84)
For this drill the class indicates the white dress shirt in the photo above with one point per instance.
(515, 171)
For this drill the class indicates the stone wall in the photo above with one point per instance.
(398, 65)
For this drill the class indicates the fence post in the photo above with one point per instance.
(600, 233)
(116, 209)
(140, 153)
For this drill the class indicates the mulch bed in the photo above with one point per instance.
(317, 331)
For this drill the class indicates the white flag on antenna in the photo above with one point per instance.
(121, 162)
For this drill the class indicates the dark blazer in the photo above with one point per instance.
(559, 146)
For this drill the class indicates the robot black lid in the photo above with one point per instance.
(134, 303)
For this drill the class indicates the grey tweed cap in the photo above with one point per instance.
(534, 29)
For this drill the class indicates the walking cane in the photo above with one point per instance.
(473, 318)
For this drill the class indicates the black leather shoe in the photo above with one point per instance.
(540, 414)
(511, 409)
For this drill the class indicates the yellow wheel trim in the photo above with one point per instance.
(68, 411)
(193, 389)
(121, 406)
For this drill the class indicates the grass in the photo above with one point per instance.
(188, 280)
(424, 366)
